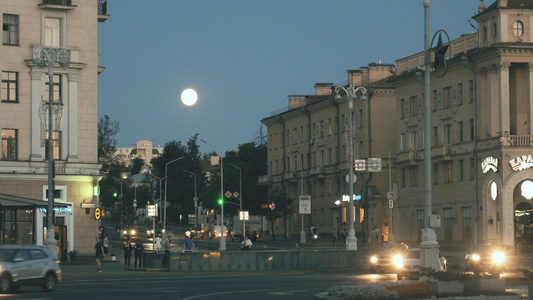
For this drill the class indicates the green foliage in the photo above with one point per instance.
(136, 165)
(107, 129)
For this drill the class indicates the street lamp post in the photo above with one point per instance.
(391, 235)
(195, 199)
(222, 237)
(351, 94)
(153, 221)
(48, 57)
(240, 198)
(164, 234)
(302, 233)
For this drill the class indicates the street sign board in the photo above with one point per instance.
(391, 203)
(354, 178)
(305, 205)
(152, 210)
(360, 165)
(390, 195)
(244, 215)
(228, 194)
(374, 165)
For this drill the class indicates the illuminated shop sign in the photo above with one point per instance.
(489, 163)
(66, 209)
(521, 163)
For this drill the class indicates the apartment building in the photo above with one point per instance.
(308, 153)
(481, 129)
(28, 27)
(143, 149)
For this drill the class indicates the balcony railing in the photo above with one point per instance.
(102, 7)
(441, 151)
(58, 2)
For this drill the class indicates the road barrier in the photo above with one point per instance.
(275, 260)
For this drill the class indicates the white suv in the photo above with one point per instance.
(27, 265)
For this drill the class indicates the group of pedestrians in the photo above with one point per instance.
(137, 249)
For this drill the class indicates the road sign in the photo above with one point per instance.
(390, 195)
(227, 194)
(360, 165)
(305, 205)
(152, 210)
(244, 215)
(354, 178)
(374, 165)
(391, 203)
(97, 213)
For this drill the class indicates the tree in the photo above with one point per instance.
(107, 129)
(137, 165)
(279, 207)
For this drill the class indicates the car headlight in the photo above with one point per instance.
(498, 257)
(124, 232)
(132, 232)
(398, 261)
(475, 257)
(373, 259)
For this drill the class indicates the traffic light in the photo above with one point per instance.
(115, 194)
(220, 201)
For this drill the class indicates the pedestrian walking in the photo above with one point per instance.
(246, 244)
(157, 243)
(166, 256)
(106, 247)
(128, 248)
(99, 253)
(139, 250)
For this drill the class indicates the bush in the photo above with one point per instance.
(419, 290)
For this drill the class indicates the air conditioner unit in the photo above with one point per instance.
(434, 221)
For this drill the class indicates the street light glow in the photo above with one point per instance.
(189, 97)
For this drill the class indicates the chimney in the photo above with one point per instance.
(502, 3)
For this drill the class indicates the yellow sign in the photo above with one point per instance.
(97, 213)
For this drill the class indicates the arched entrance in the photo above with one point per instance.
(523, 223)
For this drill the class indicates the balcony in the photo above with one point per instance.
(410, 157)
(102, 11)
(57, 5)
(263, 180)
(442, 151)
(506, 141)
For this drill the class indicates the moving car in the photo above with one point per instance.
(386, 258)
(409, 265)
(27, 265)
(485, 259)
(196, 232)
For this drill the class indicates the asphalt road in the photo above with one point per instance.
(300, 285)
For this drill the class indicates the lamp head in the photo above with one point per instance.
(363, 97)
(338, 97)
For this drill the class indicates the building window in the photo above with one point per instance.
(414, 176)
(467, 224)
(56, 142)
(56, 89)
(518, 28)
(471, 88)
(420, 221)
(9, 144)
(461, 170)
(403, 177)
(460, 92)
(52, 32)
(448, 224)
(472, 169)
(435, 136)
(10, 30)
(447, 134)
(9, 86)
(435, 103)
(471, 129)
(461, 131)
(448, 172)
(435, 173)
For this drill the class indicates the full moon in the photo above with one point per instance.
(189, 97)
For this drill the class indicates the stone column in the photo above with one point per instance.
(503, 98)
(429, 249)
(72, 125)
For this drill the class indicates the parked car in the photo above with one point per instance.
(385, 259)
(409, 265)
(485, 259)
(27, 265)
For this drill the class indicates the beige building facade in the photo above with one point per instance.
(143, 149)
(308, 154)
(27, 26)
(481, 129)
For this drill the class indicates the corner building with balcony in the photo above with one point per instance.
(307, 143)
(481, 129)
(27, 26)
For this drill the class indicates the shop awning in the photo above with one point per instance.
(10, 200)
